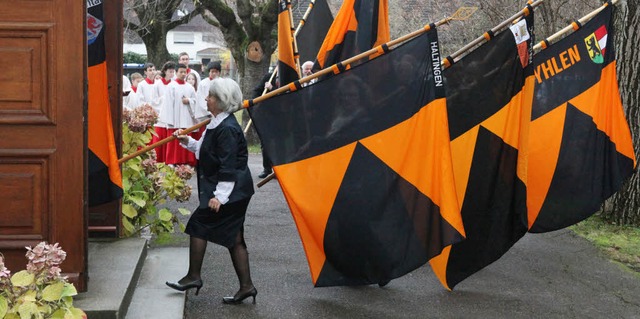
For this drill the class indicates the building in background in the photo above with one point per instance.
(203, 42)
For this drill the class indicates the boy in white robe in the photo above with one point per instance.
(161, 90)
(183, 58)
(134, 99)
(214, 69)
(179, 112)
(146, 88)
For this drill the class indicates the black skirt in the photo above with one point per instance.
(220, 228)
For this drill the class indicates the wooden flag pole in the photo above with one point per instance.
(296, 54)
(162, 142)
(304, 17)
(378, 49)
(570, 27)
(458, 54)
(266, 180)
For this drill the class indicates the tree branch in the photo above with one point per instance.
(268, 21)
(223, 13)
(245, 11)
(128, 25)
(185, 19)
(210, 19)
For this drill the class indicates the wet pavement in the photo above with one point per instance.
(553, 275)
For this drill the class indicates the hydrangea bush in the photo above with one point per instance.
(39, 291)
(147, 183)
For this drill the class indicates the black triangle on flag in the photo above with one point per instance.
(493, 209)
(587, 157)
(381, 227)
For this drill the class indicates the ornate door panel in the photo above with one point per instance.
(42, 130)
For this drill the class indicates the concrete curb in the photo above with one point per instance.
(114, 268)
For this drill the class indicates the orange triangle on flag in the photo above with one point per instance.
(544, 150)
(311, 186)
(608, 114)
(439, 265)
(423, 158)
(506, 122)
(462, 150)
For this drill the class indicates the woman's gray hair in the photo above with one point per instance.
(228, 94)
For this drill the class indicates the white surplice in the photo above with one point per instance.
(174, 113)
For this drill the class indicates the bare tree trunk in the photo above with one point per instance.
(626, 203)
(548, 25)
(257, 21)
(151, 20)
(156, 44)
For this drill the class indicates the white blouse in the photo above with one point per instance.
(223, 189)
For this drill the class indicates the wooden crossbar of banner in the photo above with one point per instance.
(458, 54)
(162, 142)
(570, 27)
(358, 57)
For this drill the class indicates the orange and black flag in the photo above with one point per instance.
(581, 150)
(105, 181)
(489, 94)
(287, 66)
(359, 26)
(364, 162)
(313, 30)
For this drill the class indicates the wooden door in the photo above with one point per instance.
(42, 130)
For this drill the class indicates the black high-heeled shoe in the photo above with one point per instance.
(237, 300)
(194, 284)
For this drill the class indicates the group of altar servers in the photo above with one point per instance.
(178, 95)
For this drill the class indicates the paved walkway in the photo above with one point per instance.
(554, 275)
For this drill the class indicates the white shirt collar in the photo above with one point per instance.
(216, 120)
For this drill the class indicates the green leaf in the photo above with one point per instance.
(28, 296)
(165, 215)
(59, 314)
(126, 136)
(184, 211)
(135, 167)
(53, 292)
(146, 138)
(129, 211)
(77, 313)
(27, 310)
(182, 227)
(22, 278)
(4, 306)
(126, 184)
(68, 301)
(166, 227)
(44, 309)
(69, 290)
(128, 226)
(138, 201)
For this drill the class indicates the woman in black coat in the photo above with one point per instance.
(224, 190)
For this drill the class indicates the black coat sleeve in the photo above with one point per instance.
(227, 151)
